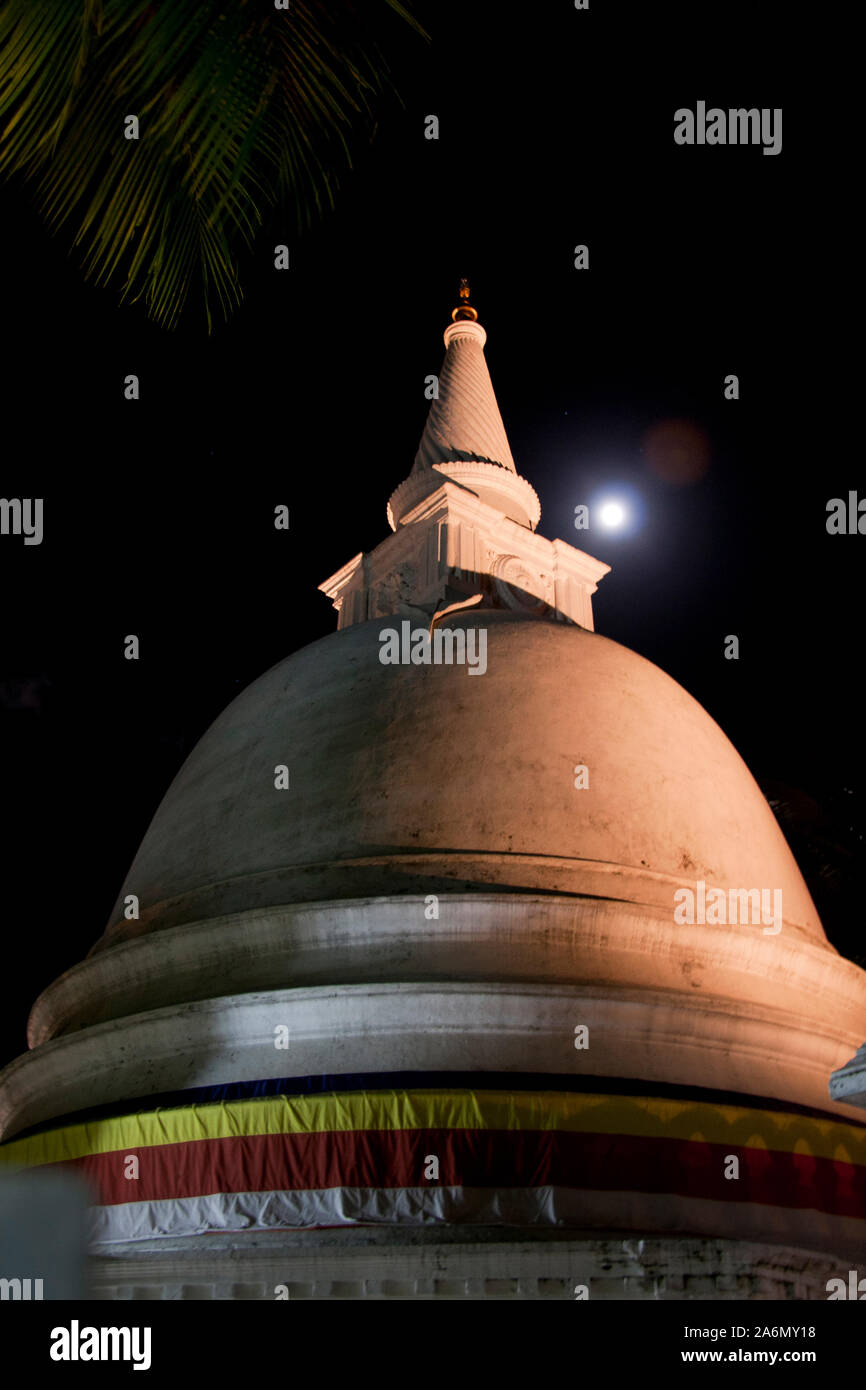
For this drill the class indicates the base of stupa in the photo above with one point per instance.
(385, 1262)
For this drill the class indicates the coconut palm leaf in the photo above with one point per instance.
(240, 107)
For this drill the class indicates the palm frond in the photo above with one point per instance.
(240, 106)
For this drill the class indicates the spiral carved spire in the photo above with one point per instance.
(464, 422)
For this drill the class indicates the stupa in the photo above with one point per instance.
(397, 999)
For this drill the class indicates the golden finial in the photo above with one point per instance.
(464, 310)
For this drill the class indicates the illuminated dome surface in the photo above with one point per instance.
(409, 781)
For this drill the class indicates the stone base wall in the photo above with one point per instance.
(361, 1264)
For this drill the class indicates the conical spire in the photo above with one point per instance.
(464, 438)
(464, 422)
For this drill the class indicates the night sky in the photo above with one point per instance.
(556, 128)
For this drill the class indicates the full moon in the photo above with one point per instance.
(612, 514)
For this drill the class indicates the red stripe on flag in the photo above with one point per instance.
(478, 1158)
